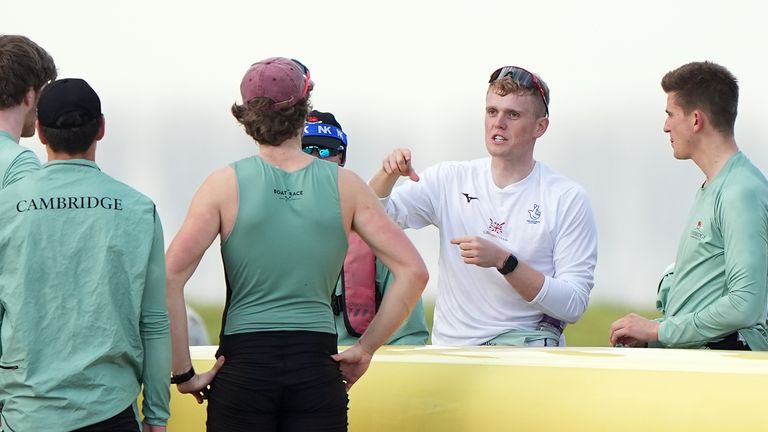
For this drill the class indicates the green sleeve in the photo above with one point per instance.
(743, 224)
(414, 329)
(155, 335)
(24, 164)
(2, 313)
(663, 289)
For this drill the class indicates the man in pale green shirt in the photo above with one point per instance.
(717, 296)
(83, 318)
(25, 68)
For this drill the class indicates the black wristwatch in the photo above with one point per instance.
(186, 376)
(509, 265)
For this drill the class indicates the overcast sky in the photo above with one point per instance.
(414, 74)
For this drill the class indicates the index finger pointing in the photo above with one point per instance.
(460, 240)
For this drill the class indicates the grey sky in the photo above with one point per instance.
(413, 74)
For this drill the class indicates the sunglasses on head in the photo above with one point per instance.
(322, 151)
(522, 77)
(305, 71)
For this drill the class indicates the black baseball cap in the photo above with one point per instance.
(68, 96)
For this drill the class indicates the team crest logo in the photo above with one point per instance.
(496, 227)
(698, 231)
(534, 214)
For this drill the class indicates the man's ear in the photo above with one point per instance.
(102, 128)
(40, 134)
(541, 126)
(699, 120)
(30, 99)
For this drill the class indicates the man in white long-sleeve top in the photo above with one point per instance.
(518, 242)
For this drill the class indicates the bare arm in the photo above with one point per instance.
(200, 228)
(395, 165)
(396, 251)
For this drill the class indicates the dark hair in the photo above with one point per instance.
(508, 85)
(706, 86)
(271, 127)
(71, 140)
(24, 65)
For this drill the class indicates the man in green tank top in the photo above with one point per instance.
(83, 320)
(282, 217)
(324, 138)
(717, 295)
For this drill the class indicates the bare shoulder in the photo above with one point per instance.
(221, 184)
(350, 178)
(354, 189)
(222, 176)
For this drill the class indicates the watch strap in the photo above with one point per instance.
(182, 378)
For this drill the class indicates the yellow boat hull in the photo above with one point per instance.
(423, 389)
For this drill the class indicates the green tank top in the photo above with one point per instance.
(286, 249)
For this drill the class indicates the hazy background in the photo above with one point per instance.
(414, 74)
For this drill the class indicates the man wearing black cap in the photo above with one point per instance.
(25, 68)
(364, 278)
(518, 243)
(82, 287)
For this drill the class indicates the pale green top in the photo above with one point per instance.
(721, 270)
(15, 161)
(285, 250)
(83, 316)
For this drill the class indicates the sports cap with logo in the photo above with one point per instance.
(62, 99)
(322, 132)
(282, 80)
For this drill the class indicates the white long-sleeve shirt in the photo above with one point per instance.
(546, 220)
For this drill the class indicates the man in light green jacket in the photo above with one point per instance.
(717, 296)
(25, 68)
(83, 317)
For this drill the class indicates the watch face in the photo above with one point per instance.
(509, 265)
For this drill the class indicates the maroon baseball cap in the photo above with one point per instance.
(283, 80)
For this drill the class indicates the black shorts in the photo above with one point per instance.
(278, 381)
(123, 422)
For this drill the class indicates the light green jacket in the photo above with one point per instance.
(15, 161)
(83, 316)
(720, 280)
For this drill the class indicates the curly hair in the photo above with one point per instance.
(271, 127)
(507, 85)
(24, 65)
(706, 86)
